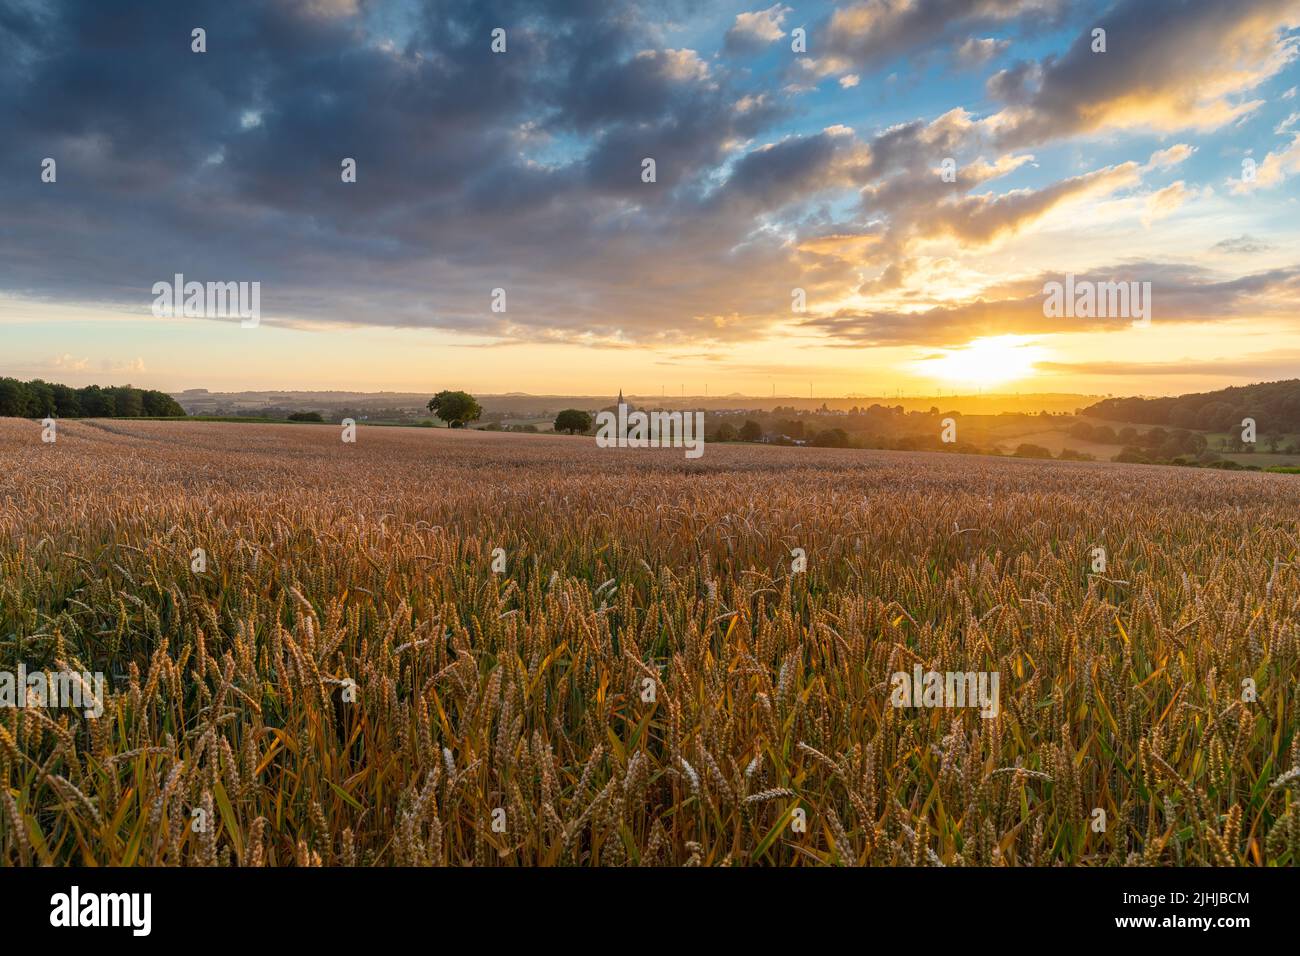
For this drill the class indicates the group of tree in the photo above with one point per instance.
(1155, 443)
(457, 409)
(885, 427)
(1274, 405)
(41, 399)
(1029, 450)
(783, 433)
(574, 421)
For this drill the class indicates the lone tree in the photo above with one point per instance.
(751, 431)
(573, 421)
(455, 408)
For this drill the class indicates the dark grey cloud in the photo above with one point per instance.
(522, 170)
(1016, 83)
(872, 34)
(796, 168)
(475, 170)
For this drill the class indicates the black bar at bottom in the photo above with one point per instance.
(339, 906)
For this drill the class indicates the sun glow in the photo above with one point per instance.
(985, 361)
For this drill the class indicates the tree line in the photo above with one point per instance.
(40, 399)
(1274, 405)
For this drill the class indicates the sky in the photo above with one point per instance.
(848, 199)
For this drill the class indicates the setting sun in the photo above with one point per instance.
(985, 361)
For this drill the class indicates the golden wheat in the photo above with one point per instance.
(503, 719)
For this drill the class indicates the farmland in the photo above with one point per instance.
(445, 647)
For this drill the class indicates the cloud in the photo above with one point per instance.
(921, 207)
(753, 31)
(69, 363)
(1016, 83)
(1169, 65)
(1179, 293)
(1164, 202)
(474, 170)
(1168, 158)
(1276, 166)
(1245, 245)
(870, 33)
(523, 171)
(329, 8)
(1257, 367)
(795, 168)
(119, 366)
(985, 217)
(976, 51)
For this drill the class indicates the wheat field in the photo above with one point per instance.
(639, 675)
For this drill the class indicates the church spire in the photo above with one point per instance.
(620, 396)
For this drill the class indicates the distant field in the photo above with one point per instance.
(1057, 438)
(1054, 440)
(649, 680)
